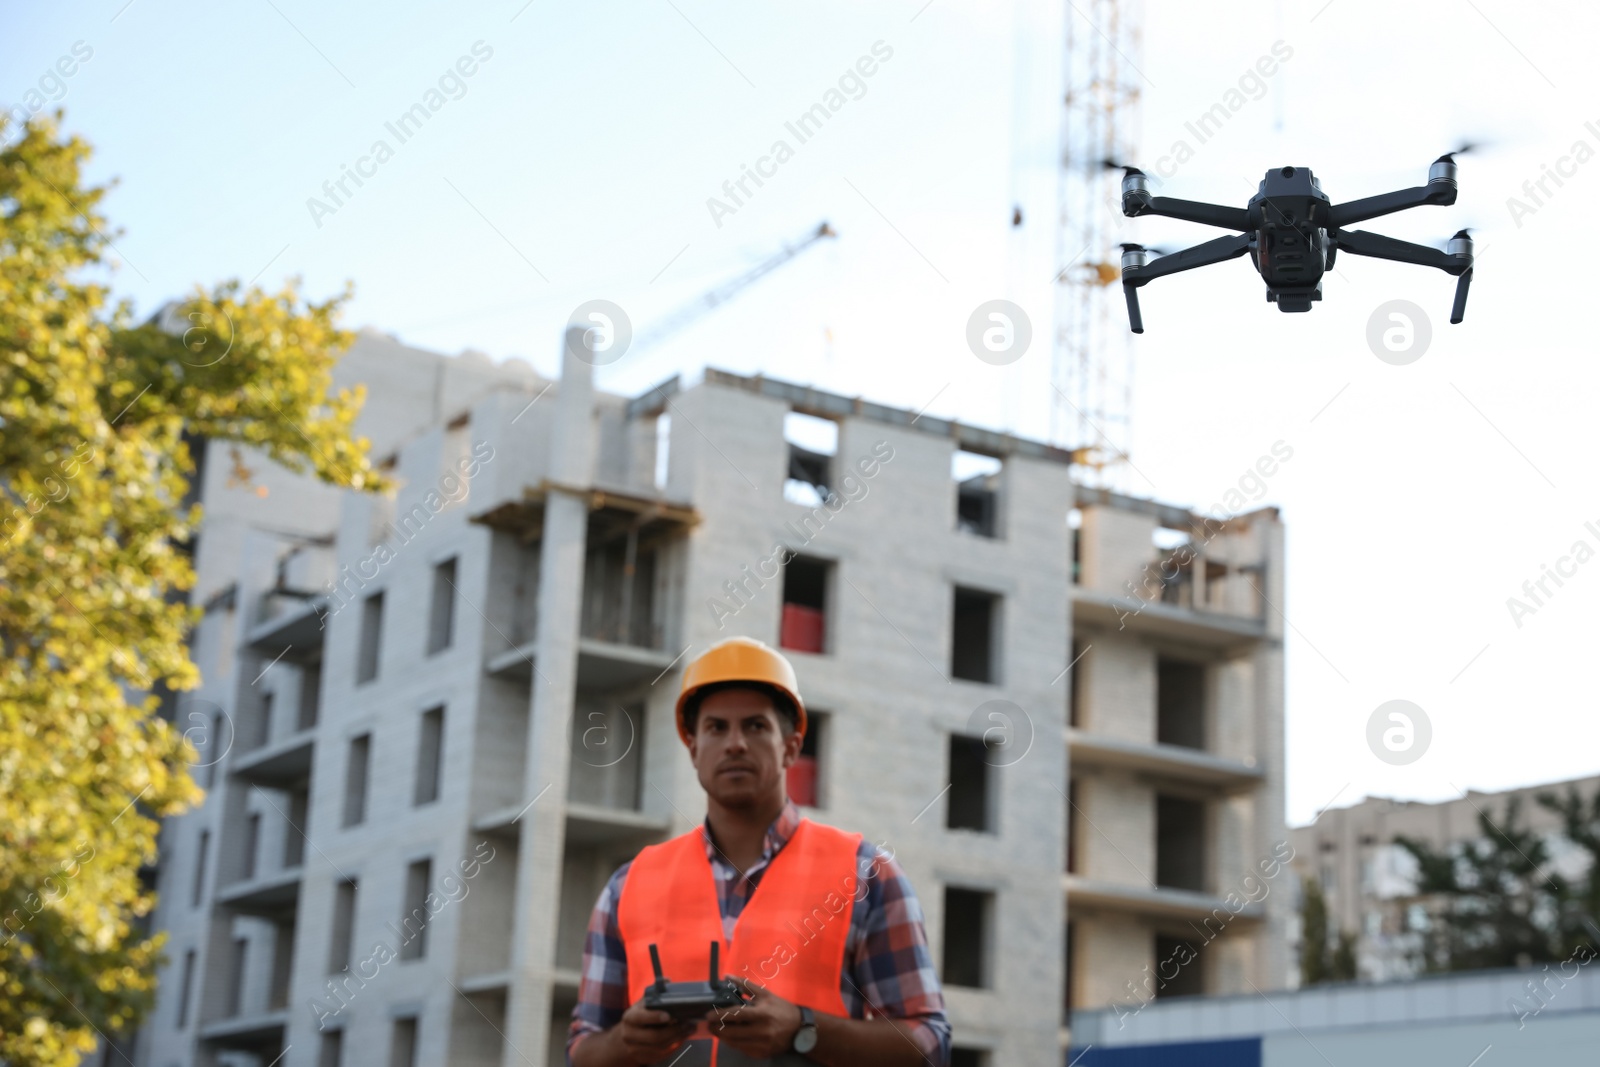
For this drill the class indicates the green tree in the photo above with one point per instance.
(1317, 963)
(1313, 933)
(1494, 902)
(1580, 824)
(95, 413)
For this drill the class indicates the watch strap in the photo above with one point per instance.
(808, 1021)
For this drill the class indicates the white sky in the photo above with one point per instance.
(1419, 499)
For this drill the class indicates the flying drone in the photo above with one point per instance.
(1292, 232)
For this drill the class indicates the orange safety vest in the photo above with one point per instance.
(790, 937)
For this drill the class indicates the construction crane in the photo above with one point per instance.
(707, 302)
(1092, 360)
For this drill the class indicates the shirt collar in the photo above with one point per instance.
(777, 835)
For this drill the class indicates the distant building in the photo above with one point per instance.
(1368, 881)
(435, 723)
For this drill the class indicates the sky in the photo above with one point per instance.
(575, 150)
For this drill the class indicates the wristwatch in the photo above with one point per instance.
(805, 1038)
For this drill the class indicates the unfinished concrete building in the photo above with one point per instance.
(442, 719)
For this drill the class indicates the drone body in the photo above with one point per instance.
(1292, 232)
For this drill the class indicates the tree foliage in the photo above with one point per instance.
(1323, 958)
(95, 412)
(1494, 900)
(1580, 910)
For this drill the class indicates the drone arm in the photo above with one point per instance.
(1228, 218)
(1201, 255)
(1376, 245)
(1441, 193)
(1361, 243)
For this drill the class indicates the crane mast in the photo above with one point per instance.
(1092, 359)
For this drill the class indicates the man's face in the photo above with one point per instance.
(740, 749)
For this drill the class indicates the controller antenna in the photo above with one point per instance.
(715, 972)
(655, 962)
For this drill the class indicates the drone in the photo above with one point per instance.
(1292, 232)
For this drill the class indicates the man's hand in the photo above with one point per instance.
(648, 1035)
(762, 1028)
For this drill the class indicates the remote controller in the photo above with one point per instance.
(691, 1000)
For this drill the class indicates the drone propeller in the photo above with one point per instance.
(1111, 164)
(1463, 234)
(1466, 147)
(1156, 250)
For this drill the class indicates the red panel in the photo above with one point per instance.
(802, 783)
(802, 628)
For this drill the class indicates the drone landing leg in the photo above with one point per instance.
(1135, 320)
(1460, 309)
(1201, 255)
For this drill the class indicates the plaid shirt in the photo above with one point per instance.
(886, 960)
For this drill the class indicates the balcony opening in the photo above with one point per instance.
(1075, 709)
(252, 844)
(442, 607)
(215, 748)
(186, 989)
(403, 1043)
(371, 638)
(663, 448)
(606, 767)
(236, 973)
(813, 444)
(294, 835)
(619, 582)
(1171, 954)
(977, 478)
(1174, 566)
(330, 1052)
(282, 965)
(806, 785)
(970, 804)
(968, 921)
(1180, 703)
(202, 856)
(357, 760)
(1075, 532)
(1180, 843)
(975, 636)
(341, 940)
(1074, 820)
(804, 625)
(430, 757)
(1068, 1000)
(525, 595)
(310, 696)
(264, 719)
(414, 919)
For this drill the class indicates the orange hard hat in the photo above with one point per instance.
(741, 659)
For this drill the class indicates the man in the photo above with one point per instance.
(817, 926)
